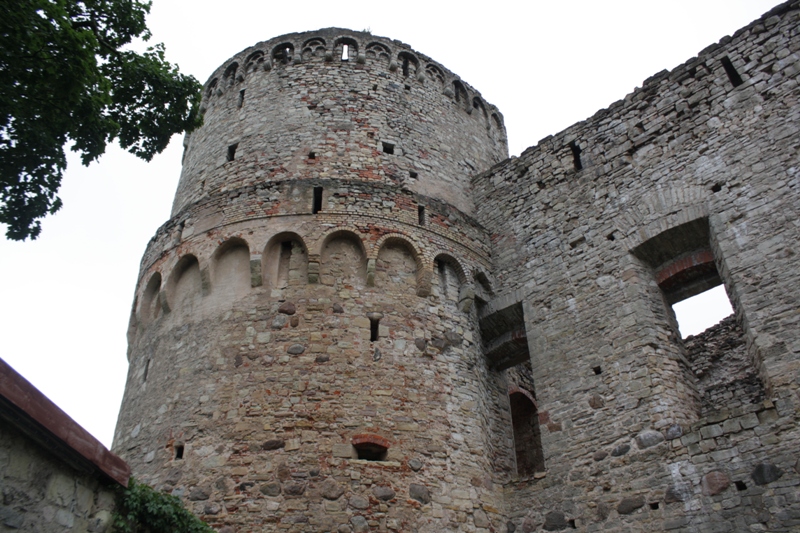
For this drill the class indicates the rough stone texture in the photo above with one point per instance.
(555, 521)
(726, 376)
(649, 438)
(383, 493)
(715, 482)
(765, 473)
(42, 492)
(503, 296)
(629, 505)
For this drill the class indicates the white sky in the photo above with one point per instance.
(66, 297)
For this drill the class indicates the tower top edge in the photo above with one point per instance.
(332, 38)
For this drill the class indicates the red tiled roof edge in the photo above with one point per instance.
(19, 392)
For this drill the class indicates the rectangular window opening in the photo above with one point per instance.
(317, 205)
(388, 148)
(730, 70)
(345, 52)
(178, 452)
(374, 324)
(421, 215)
(232, 151)
(241, 99)
(413, 175)
(653, 505)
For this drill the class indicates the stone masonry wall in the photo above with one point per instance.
(714, 141)
(312, 115)
(307, 346)
(45, 494)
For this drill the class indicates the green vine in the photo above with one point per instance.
(142, 509)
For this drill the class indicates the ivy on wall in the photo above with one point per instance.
(142, 509)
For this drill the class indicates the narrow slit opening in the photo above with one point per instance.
(373, 329)
(317, 204)
(576, 155)
(241, 99)
(232, 151)
(345, 52)
(178, 452)
(146, 370)
(730, 70)
(421, 215)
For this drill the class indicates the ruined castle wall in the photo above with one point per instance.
(716, 141)
(292, 108)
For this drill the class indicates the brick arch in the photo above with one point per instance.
(242, 271)
(185, 263)
(319, 245)
(271, 255)
(658, 212)
(150, 303)
(424, 268)
(513, 389)
(455, 263)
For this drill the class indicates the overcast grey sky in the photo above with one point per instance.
(66, 297)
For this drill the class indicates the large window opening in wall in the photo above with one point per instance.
(683, 263)
(527, 435)
(369, 451)
(702, 311)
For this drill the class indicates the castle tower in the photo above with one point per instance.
(303, 351)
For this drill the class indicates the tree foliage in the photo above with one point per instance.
(67, 77)
(141, 508)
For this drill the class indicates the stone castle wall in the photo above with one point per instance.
(589, 229)
(323, 342)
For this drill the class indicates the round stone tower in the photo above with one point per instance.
(304, 350)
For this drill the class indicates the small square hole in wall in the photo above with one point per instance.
(368, 451)
(740, 485)
(597, 370)
(572, 524)
(408, 87)
(413, 175)
(653, 505)
(312, 155)
(388, 148)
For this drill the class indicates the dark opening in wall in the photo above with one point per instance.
(413, 175)
(572, 524)
(653, 505)
(421, 215)
(374, 324)
(576, 155)
(405, 66)
(597, 370)
(241, 99)
(317, 204)
(369, 451)
(146, 370)
(527, 435)
(178, 452)
(740, 485)
(312, 155)
(407, 87)
(232, 151)
(730, 70)
(388, 148)
(716, 187)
